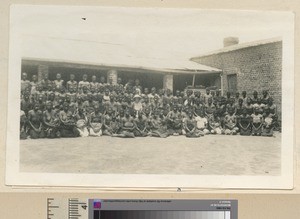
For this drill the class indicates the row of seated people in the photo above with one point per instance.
(71, 119)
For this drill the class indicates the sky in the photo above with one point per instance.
(90, 33)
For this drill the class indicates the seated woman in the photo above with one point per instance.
(68, 122)
(267, 127)
(190, 126)
(115, 127)
(82, 122)
(128, 126)
(106, 121)
(257, 122)
(35, 124)
(260, 106)
(230, 122)
(214, 124)
(158, 126)
(51, 121)
(244, 123)
(174, 121)
(96, 122)
(140, 126)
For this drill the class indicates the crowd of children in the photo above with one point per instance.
(52, 109)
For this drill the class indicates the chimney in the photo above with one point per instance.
(230, 41)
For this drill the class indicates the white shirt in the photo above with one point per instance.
(201, 122)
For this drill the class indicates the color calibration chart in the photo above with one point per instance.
(162, 209)
(74, 208)
(163, 214)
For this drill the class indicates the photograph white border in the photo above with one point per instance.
(15, 177)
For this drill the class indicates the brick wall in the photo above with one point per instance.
(257, 68)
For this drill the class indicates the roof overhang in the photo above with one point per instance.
(187, 67)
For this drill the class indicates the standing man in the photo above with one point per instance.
(33, 83)
(255, 97)
(94, 83)
(207, 95)
(102, 84)
(46, 82)
(266, 97)
(84, 83)
(72, 83)
(59, 83)
(25, 84)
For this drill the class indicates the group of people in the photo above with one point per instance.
(55, 108)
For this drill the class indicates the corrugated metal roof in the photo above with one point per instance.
(105, 54)
(239, 46)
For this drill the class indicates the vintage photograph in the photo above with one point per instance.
(145, 92)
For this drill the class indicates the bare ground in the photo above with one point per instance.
(209, 155)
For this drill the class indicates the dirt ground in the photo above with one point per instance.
(208, 155)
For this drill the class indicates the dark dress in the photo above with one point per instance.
(35, 127)
(68, 127)
(245, 125)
